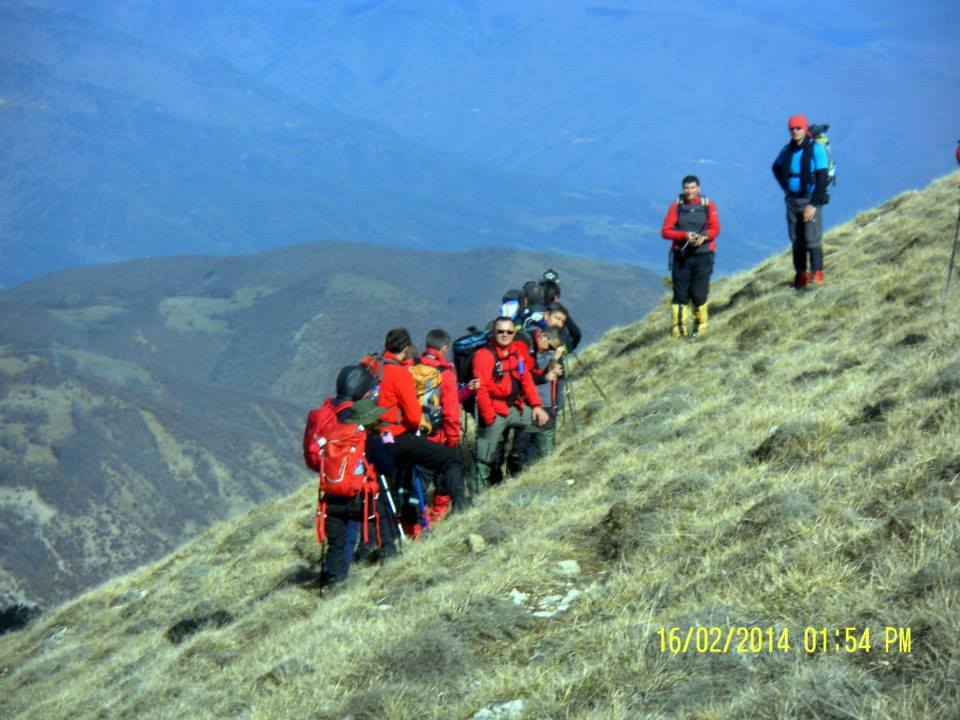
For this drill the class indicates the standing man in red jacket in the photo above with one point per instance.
(507, 396)
(692, 225)
(436, 347)
(398, 393)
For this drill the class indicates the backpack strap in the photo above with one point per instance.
(806, 158)
(418, 486)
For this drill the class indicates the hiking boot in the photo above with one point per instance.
(699, 319)
(439, 508)
(412, 530)
(801, 280)
(679, 327)
(480, 480)
(818, 277)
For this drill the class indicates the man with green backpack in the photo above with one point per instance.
(804, 170)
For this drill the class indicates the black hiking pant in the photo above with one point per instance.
(344, 529)
(800, 253)
(691, 278)
(805, 237)
(444, 463)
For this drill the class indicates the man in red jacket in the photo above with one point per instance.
(398, 393)
(692, 226)
(507, 396)
(436, 347)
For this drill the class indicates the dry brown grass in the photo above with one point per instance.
(797, 467)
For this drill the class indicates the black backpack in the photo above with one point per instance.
(463, 350)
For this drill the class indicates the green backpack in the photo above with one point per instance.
(819, 133)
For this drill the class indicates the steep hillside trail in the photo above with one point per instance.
(761, 522)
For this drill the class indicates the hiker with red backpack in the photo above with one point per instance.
(692, 226)
(353, 383)
(403, 419)
(507, 396)
(343, 444)
(802, 170)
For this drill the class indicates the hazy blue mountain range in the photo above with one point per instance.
(600, 109)
(117, 149)
(142, 401)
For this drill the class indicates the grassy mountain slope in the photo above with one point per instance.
(142, 401)
(796, 468)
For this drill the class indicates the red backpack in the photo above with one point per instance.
(345, 472)
(373, 364)
(318, 422)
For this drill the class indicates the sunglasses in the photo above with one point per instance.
(795, 129)
(506, 332)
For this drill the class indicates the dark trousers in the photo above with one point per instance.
(806, 237)
(344, 527)
(444, 463)
(800, 253)
(691, 278)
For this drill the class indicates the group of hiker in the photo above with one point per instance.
(388, 445)
(804, 170)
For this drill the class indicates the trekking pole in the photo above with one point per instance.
(392, 508)
(568, 385)
(589, 374)
(418, 486)
(953, 257)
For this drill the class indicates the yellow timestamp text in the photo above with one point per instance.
(703, 639)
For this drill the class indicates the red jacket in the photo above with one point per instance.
(398, 393)
(494, 395)
(449, 434)
(679, 237)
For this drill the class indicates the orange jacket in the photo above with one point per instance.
(516, 381)
(398, 393)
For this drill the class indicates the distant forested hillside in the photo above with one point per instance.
(587, 114)
(117, 148)
(141, 401)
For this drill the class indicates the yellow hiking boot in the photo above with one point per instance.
(699, 319)
(679, 320)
